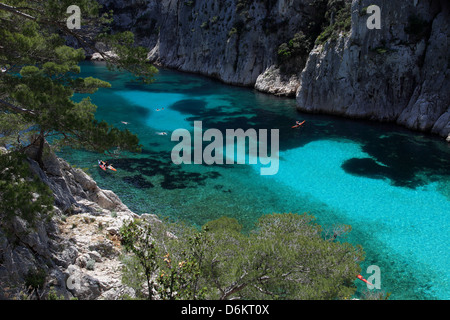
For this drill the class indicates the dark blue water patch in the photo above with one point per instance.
(193, 85)
(222, 188)
(115, 106)
(190, 106)
(369, 168)
(154, 144)
(366, 167)
(158, 164)
(406, 163)
(138, 181)
(392, 151)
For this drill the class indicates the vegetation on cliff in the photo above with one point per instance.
(337, 19)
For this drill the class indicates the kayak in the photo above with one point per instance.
(361, 278)
(298, 125)
(101, 165)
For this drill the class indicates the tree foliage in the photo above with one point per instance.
(39, 76)
(286, 256)
(171, 270)
(137, 239)
(337, 19)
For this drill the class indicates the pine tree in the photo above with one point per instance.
(39, 76)
(286, 256)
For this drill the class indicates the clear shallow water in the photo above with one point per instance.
(391, 185)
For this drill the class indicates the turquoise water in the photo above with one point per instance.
(391, 185)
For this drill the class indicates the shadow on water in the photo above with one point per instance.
(388, 153)
(193, 85)
(160, 164)
(401, 159)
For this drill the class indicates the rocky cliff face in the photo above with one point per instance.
(235, 41)
(398, 73)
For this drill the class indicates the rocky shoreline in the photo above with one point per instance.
(78, 249)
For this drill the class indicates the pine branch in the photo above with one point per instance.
(16, 11)
(17, 108)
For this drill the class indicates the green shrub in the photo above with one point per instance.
(222, 261)
(21, 193)
(214, 19)
(284, 52)
(300, 44)
(90, 264)
(232, 31)
(35, 280)
(342, 23)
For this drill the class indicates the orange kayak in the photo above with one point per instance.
(361, 278)
(101, 165)
(298, 125)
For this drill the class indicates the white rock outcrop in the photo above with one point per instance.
(78, 249)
